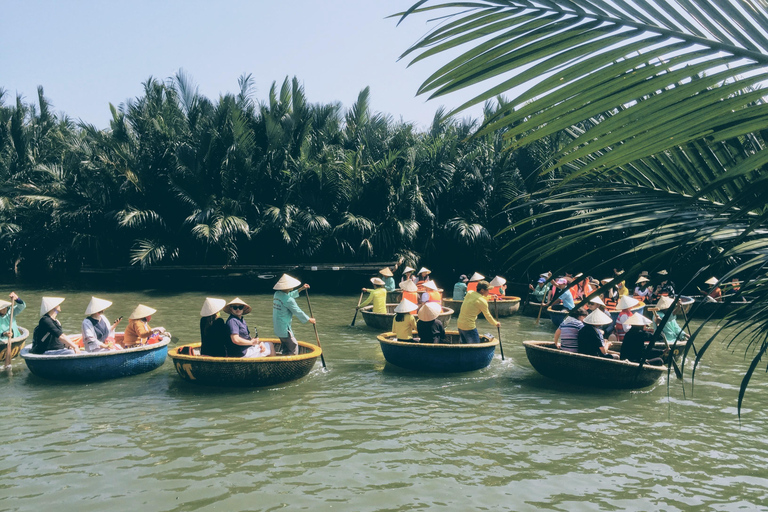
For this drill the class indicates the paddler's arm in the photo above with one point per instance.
(487, 314)
(368, 300)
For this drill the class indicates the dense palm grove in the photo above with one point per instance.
(180, 179)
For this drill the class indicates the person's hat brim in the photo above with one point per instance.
(212, 306)
(142, 311)
(96, 305)
(430, 311)
(237, 301)
(597, 317)
(406, 306)
(286, 282)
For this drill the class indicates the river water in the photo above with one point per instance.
(365, 436)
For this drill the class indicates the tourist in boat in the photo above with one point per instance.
(573, 286)
(138, 332)
(715, 294)
(635, 337)
(48, 337)
(388, 278)
(5, 315)
(98, 334)
(622, 289)
(595, 303)
(284, 308)
(429, 327)
(431, 293)
(590, 338)
(460, 288)
(476, 278)
(474, 303)
(563, 295)
(214, 333)
(240, 342)
(642, 291)
(672, 330)
(408, 275)
(404, 323)
(498, 287)
(588, 285)
(378, 296)
(626, 303)
(566, 336)
(665, 287)
(410, 291)
(610, 295)
(423, 276)
(541, 291)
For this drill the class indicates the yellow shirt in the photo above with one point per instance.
(379, 298)
(623, 290)
(404, 330)
(474, 304)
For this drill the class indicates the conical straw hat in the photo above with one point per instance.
(377, 281)
(597, 300)
(431, 285)
(637, 319)
(237, 300)
(286, 283)
(606, 280)
(477, 277)
(385, 272)
(49, 303)
(627, 302)
(406, 306)
(430, 311)
(96, 305)
(408, 286)
(4, 304)
(711, 281)
(408, 269)
(142, 311)
(425, 270)
(597, 317)
(212, 306)
(498, 281)
(662, 272)
(664, 303)
(642, 279)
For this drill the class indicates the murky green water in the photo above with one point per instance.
(366, 436)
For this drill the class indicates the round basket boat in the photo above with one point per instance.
(557, 316)
(703, 308)
(455, 305)
(383, 321)
(17, 344)
(508, 306)
(677, 351)
(395, 296)
(450, 357)
(589, 370)
(241, 371)
(93, 366)
(532, 309)
(683, 306)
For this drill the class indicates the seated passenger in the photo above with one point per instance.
(539, 293)
(498, 287)
(642, 291)
(716, 294)
(431, 293)
(672, 331)
(214, 333)
(590, 338)
(98, 334)
(460, 288)
(48, 338)
(378, 296)
(404, 324)
(566, 336)
(410, 291)
(388, 278)
(423, 276)
(564, 295)
(138, 332)
(633, 347)
(429, 327)
(626, 303)
(476, 278)
(5, 316)
(408, 275)
(240, 342)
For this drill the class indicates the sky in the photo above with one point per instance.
(88, 54)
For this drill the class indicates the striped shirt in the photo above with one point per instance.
(569, 333)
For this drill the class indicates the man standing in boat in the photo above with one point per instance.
(474, 303)
(283, 308)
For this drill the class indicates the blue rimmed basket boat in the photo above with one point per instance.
(88, 367)
(451, 357)
(383, 321)
(507, 306)
(589, 370)
(241, 371)
(17, 344)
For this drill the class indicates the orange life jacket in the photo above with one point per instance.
(496, 290)
(435, 296)
(472, 286)
(411, 296)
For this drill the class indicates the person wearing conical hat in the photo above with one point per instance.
(410, 291)
(590, 338)
(214, 333)
(665, 288)
(431, 293)
(389, 281)
(48, 337)
(408, 275)
(240, 343)
(625, 305)
(498, 287)
(429, 326)
(637, 335)
(715, 294)
(138, 331)
(284, 308)
(476, 278)
(460, 288)
(672, 330)
(5, 315)
(642, 291)
(423, 276)
(474, 303)
(404, 324)
(378, 296)
(98, 334)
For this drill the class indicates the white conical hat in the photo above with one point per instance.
(408, 269)
(597, 317)
(431, 285)
(49, 303)
(425, 270)
(662, 272)
(142, 311)
(430, 311)
(4, 304)
(377, 281)
(96, 305)
(477, 277)
(627, 302)
(212, 306)
(498, 281)
(385, 272)
(406, 306)
(664, 303)
(238, 301)
(637, 319)
(286, 283)
(712, 281)
(642, 279)
(597, 300)
(408, 286)
(606, 280)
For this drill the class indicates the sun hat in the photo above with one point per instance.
(425, 270)
(561, 281)
(664, 303)
(408, 270)
(212, 306)
(597, 317)
(578, 275)
(606, 280)
(286, 282)
(142, 311)
(377, 281)
(4, 304)
(96, 305)
(385, 272)
(542, 279)
(597, 300)
(642, 279)
(430, 311)
(406, 306)
(477, 277)
(627, 302)
(712, 281)
(408, 286)
(662, 272)
(498, 281)
(237, 301)
(463, 278)
(49, 304)
(431, 285)
(637, 319)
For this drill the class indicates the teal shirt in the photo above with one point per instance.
(5, 321)
(389, 284)
(672, 329)
(283, 308)
(459, 291)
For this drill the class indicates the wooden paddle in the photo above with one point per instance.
(359, 301)
(10, 337)
(498, 328)
(678, 372)
(317, 336)
(541, 306)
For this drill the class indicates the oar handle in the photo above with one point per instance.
(359, 301)
(498, 328)
(317, 336)
(10, 337)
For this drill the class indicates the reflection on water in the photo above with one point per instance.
(367, 436)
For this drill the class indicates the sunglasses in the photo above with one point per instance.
(238, 307)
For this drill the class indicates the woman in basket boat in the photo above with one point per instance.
(98, 334)
(377, 296)
(214, 333)
(48, 337)
(590, 339)
(138, 332)
(404, 324)
(429, 327)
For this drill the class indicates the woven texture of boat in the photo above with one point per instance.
(17, 344)
(383, 321)
(589, 370)
(241, 371)
(508, 306)
(683, 306)
(94, 366)
(395, 296)
(455, 305)
(450, 357)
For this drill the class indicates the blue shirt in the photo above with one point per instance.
(239, 327)
(459, 290)
(283, 308)
(567, 299)
(389, 284)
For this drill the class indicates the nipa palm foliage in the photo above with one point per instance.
(665, 150)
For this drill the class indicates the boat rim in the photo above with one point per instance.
(385, 338)
(368, 310)
(313, 354)
(511, 298)
(540, 345)
(18, 338)
(609, 310)
(87, 355)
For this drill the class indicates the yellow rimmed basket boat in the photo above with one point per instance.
(17, 343)
(507, 306)
(451, 357)
(242, 371)
(383, 321)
